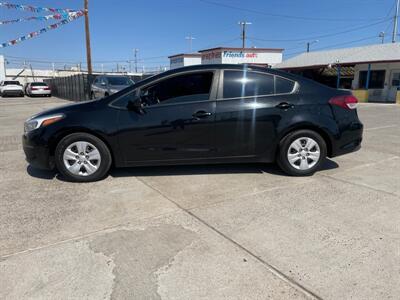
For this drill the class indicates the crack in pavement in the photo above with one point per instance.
(270, 267)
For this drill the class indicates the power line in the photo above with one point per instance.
(284, 16)
(322, 36)
(336, 45)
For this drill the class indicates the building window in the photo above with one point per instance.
(376, 79)
(396, 80)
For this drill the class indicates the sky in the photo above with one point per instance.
(158, 28)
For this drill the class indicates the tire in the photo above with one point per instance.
(301, 153)
(91, 96)
(106, 95)
(82, 167)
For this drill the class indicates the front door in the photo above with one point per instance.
(177, 122)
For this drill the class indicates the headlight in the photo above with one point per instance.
(36, 122)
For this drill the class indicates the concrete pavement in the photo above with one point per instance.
(203, 232)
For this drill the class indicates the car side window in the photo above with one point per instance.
(178, 89)
(247, 84)
(123, 101)
(283, 86)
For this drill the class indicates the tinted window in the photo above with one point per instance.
(182, 88)
(38, 84)
(283, 86)
(123, 100)
(119, 81)
(9, 82)
(247, 84)
(376, 80)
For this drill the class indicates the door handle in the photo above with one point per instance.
(201, 114)
(284, 105)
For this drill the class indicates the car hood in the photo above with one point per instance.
(65, 109)
(118, 87)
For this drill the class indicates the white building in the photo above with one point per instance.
(223, 55)
(373, 71)
(184, 59)
(257, 56)
(2, 68)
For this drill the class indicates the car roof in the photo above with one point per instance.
(238, 67)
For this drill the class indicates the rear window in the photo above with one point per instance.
(283, 86)
(119, 81)
(13, 82)
(38, 84)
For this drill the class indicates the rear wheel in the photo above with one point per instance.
(301, 153)
(82, 157)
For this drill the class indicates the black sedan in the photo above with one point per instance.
(198, 115)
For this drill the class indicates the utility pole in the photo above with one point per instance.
(190, 39)
(135, 51)
(243, 35)
(382, 36)
(396, 17)
(88, 50)
(310, 43)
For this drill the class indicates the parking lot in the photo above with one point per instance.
(203, 232)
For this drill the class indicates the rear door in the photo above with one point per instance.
(250, 107)
(178, 120)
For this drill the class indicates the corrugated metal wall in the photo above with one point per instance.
(76, 87)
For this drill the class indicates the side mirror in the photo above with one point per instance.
(136, 105)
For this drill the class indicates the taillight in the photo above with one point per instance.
(345, 101)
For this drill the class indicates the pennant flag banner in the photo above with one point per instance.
(34, 8)
(72, 16)
(43, 18)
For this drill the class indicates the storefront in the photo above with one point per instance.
(383, 82)
(372, 72)
(267, 57)
(257, 56)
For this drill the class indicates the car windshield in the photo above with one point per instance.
(14, 82)
(119, 81)
(38, 84)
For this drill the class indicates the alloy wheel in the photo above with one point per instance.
(303, 153)
(82, 158)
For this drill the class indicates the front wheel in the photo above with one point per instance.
(82, 157)
(301, 153)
